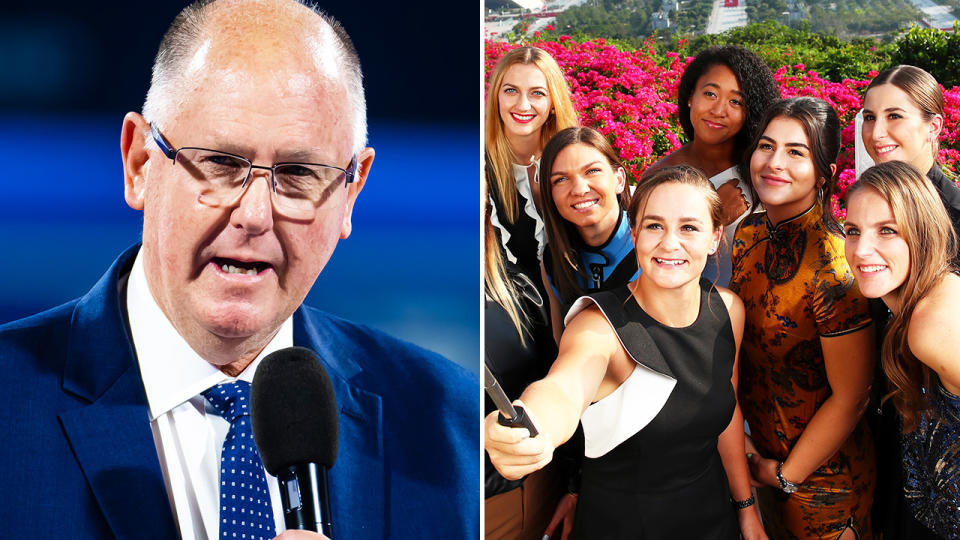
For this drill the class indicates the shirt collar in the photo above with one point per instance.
(172, 371)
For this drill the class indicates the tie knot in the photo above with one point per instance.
(231, 400)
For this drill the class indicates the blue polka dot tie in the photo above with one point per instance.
(245, 511)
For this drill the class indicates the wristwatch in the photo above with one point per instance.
(785, 485)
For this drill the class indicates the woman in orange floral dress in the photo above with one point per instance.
(808, 347)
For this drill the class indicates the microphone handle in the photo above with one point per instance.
(305, 494)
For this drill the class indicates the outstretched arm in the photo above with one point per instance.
(556, 402)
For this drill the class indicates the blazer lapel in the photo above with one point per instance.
(358, 479)
(110, 435)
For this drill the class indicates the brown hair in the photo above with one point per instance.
(498, 151)
(563, 256)
(678, 174)
(922, 88)
(822, 127)
(925, 227)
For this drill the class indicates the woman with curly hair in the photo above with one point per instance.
(898, 241)
(722, 96)
(808, 342)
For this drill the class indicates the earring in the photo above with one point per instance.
(712, 251)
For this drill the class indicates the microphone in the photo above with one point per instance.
(294, 419)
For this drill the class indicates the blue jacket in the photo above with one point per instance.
(78, 456)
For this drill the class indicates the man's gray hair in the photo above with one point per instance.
(183, 37)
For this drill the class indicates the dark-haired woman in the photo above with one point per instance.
(584, 200)
(808, 348)
(650, 370)
(720, 100)
(898, 238)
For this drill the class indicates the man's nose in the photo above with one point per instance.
(254, 210)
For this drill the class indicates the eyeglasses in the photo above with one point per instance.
(221, 177)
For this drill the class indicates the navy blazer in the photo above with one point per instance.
(79, 460)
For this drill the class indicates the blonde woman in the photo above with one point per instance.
(527, 103)
(898, 241)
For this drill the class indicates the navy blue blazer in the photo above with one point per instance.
(78, 460)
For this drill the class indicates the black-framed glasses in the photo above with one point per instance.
(221, 177)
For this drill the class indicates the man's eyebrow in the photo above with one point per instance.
(303, 155)
(296, 155)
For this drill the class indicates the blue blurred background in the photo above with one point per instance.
(71, 70)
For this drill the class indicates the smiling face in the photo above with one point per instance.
(876, 251)
(782, 169)
(584, 188)
(524, 101)
(894, 128)
(716, 106)
(198, 256)
(674, 235)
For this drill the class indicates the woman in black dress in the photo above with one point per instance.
(651, 369)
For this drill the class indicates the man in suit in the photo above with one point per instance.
(246, 162)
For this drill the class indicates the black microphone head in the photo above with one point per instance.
(293, 411)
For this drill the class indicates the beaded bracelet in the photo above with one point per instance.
(746, 503)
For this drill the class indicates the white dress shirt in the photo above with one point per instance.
(187, 431)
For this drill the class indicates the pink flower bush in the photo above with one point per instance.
(630, 97)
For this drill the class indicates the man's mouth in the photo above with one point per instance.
(233, 266)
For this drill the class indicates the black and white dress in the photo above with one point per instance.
(652, 469)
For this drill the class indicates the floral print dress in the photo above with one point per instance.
(797, 287)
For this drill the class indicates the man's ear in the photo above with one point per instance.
(133, 152)
(364, 162)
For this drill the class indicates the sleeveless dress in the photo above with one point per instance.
(652, 469)
(931, 466)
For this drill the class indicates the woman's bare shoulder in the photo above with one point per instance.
(934, 319)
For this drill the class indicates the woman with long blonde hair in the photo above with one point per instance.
(527, 103)
(899, 242)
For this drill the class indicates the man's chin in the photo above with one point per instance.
(239, 322)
